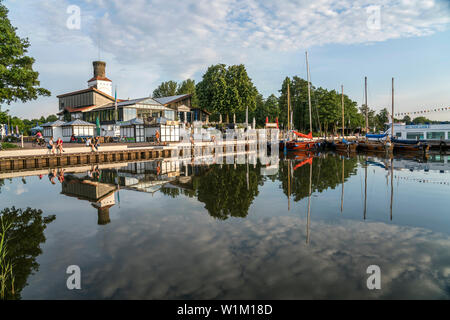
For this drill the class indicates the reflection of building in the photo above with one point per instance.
(148, 176)
(101, 195)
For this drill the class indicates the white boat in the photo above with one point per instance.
(435, 134)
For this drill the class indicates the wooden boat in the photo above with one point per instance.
(375, 146)
(346, 146)
(410, 146)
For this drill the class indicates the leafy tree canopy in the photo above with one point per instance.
(18, 80)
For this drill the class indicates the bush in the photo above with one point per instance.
(7, 145)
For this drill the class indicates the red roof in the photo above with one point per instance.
(99, 78)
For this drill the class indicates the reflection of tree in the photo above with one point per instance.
(224, 190)
(23, 244)
(327, 173)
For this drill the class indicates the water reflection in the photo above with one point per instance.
(23, 234)
(188, 228)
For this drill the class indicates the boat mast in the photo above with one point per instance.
(367, 107)
(342, 89)
(392, 108)
(309, 93)
(288, 105)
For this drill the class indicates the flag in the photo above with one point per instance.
(97, 122)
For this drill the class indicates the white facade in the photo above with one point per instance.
(421, 131)
(55, 132)
(102, 85)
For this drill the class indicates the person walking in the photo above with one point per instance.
(157, 136)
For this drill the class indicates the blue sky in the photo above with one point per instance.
(147, 42)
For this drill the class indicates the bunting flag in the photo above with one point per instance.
(420, 112)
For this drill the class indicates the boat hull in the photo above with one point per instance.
(375, 146)
(298, 145)
(346, 147)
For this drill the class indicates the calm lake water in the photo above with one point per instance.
(175, 230)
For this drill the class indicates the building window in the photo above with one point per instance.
(83, 131)
(67, 131)
(436, 135)
(169, 114)
(414, 135)
(48, 132)
(129, 113)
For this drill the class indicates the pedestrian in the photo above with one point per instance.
(51, 146)
(96, 143)
(157, 136)
(59, 145)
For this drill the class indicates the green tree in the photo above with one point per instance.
(188, 87)
(51, 118)
(381, 119)
(407, 119)
(211, 90)
(421, 120)
(226, 91)
(18, 80)
(165, 89)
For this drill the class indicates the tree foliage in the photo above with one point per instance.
(227, 91)
(18, 80)
(188, 87)
(165, 89)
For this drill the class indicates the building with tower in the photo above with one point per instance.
(98, 101)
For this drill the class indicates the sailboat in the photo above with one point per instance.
(293, 144)
(344, 145)
(408, 146)
(382, 144)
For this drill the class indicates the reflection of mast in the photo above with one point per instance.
(365, 189)
(309, 204)
(392, 183)
(289, 185)
(342, 196)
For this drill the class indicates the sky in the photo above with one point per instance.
(146, 42)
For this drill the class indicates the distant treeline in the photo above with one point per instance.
(24, 125)
(228, 90)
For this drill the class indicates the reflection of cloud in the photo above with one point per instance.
(20, 189)
(191, 256)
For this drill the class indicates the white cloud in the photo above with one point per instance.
(163, 40)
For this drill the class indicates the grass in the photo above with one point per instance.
(6, 270)
(8, 145)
